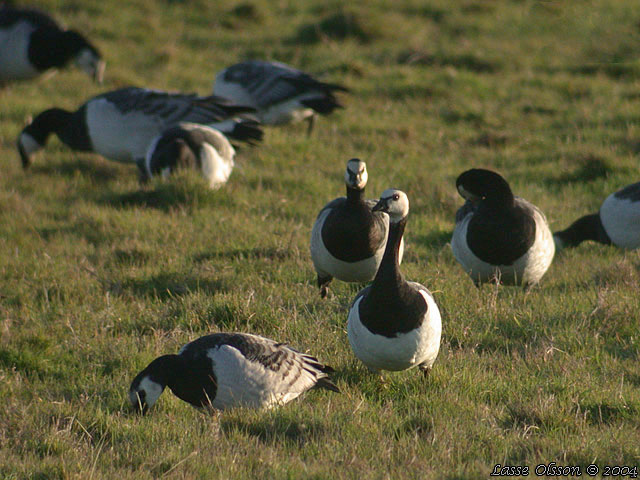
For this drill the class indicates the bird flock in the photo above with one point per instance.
(393, 324)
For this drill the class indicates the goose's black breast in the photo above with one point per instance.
(392, 312)
(197, 384)
(76, 132)
(501, 238)
(352, 232)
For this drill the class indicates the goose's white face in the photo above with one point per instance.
(143, 393)
(356, 175)
(395, 203)
(91, 64)
(27, 146)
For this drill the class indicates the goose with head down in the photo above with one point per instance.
(616, 223)
(225, 370)
(31, 42)
(120, 125)
(279, 93)
(190, 145)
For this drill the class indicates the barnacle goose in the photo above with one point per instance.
(279, 93)
(394, 324)
(225, 370)
(499, 236)
(348, 238)
(121, 124)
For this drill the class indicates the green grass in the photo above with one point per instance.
(98, 277)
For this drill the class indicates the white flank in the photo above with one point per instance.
(527, 270)
(245, 383)
(406, 350)
(621, 220)
(117, 136)
(285, 112)
(14, 59)
(232, 91)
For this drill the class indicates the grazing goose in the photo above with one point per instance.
(31, 42)
(121, 124)
(348, 238)
(617, 222)
(498, 236)
(280, 93)
(225, 370)
(394, 324)
(190, 145)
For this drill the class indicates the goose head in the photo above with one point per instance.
(480, 185)
(395, 203)
(356, 174)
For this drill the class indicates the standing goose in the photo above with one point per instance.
(499, 236)
(190, 145)
(617, 222)
(31, 42)
(121, 124)
(225, 370)
(280, 93)
(348, 238)
(394, 324)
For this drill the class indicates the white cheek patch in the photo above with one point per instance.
(152, 391)
(28, 143)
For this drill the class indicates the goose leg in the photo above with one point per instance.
(323, 283)
(310, 120)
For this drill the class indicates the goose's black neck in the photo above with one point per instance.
(191, 380)
(164, 370)
(355, 195)
(51, 47)
(70, 127)
(588, 227)
(391, 306)
(389, 276)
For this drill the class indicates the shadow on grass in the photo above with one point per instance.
(165, 196)
(270, 430)
(271, 253)
(467, 62)
(100, 173)
(339, 26)
(166, 286)
(435, 239)
(606, 413)
(589, 168)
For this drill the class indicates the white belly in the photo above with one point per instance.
(406, 350)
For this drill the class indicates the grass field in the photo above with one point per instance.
(99, 276)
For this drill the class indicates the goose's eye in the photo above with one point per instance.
(396, 196)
